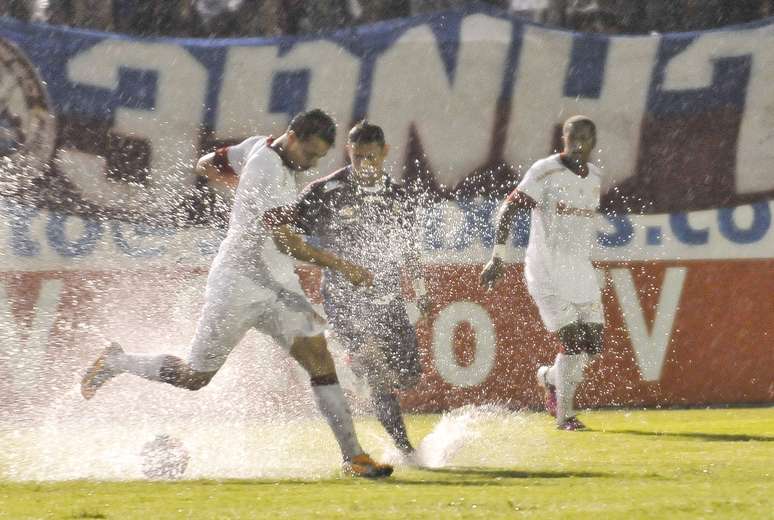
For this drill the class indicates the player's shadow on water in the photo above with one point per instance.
(711, 437)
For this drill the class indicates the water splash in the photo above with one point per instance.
(487, 435)
(255, 420)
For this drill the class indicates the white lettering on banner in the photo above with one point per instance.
(171, 125)
(694, 69)
(539, 101)
(650, 348)
(451, 234)
(443, 344)
(453, 118)
(26, 349)
(37, 240)
(244, 106)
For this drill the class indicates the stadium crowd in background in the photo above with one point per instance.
(625, 16)
(220, 18)
(267, 18)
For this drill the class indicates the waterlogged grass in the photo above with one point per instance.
(639, 464)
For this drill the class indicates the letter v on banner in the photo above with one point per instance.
(650, 347)
(26, 349)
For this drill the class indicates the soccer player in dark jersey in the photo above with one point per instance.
(361, 214)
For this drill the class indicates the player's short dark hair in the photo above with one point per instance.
(583, 121)
(314, 123)
(365, 132)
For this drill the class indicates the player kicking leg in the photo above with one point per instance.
(229, 312)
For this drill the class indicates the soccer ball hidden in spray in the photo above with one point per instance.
(164, 458)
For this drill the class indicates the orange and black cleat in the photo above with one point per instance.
(364, 466)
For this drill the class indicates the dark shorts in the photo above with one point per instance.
(356, 323)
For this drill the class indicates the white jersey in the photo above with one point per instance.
(562, 232)
(248, 249)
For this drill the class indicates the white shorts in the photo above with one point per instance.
(557, 313)
(233, 304)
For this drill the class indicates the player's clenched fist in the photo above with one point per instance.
(492, 271)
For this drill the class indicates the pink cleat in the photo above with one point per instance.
(571, 424)
(549, 390)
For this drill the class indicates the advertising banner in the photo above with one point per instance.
(104, 221)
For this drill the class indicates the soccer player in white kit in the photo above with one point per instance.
(562, 191)
(251, 284)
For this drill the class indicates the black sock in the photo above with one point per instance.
(388, 412)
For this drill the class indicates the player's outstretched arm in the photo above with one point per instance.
(494, 269)
(293, 244)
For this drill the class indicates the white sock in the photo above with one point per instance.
(147, 366)
(551, 373)
(569, 374)
(333, 406)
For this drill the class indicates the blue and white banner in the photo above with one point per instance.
(468, 102)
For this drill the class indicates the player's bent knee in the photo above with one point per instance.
(573, 337)
(177, 372)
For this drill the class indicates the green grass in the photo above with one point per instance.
(639, 464)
